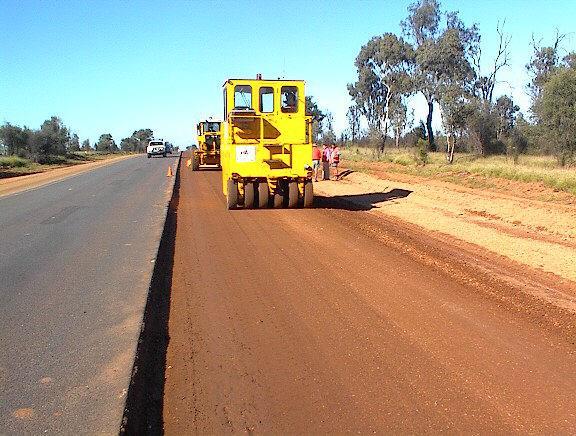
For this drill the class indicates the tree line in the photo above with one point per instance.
(436, 55)
(54, 139)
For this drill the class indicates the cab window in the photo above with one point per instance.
(266, 99)
(289, 99)
(242, 97)
(211, 127)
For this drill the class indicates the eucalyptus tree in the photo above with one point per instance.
(52, 138)
(106, 144)
(486, 82)
(140, 139)
(557, 110)
(353, 117)
(328, 135)
(456, 83)
(438, 56)
(73, 143)
(398, 120)
(384, 67)
(317, 115)
(127, 144)
(15, 139)
(544, 63)
(506, 111)
(455, 110)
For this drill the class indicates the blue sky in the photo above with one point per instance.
(117, 66)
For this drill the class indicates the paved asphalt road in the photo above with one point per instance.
(331, 320)
(76, 258)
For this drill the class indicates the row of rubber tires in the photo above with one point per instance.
(257, 195)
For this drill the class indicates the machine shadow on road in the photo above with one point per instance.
(359, 201)
(145, 399)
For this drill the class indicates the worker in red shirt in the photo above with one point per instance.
(316, 158)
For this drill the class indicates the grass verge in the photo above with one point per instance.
(13, 166)
(529, 169)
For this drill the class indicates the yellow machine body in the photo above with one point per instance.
(209, 143)
(266, 140)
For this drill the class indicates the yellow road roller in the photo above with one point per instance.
(266, 149)
(209, 138)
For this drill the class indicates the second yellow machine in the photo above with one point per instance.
(208, 152)
(266, 148)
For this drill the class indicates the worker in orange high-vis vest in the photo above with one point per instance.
(316, 158)
(335, 159)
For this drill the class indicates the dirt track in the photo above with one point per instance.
(334, 320)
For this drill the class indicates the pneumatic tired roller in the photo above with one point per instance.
(266, 148)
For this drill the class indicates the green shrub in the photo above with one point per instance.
(422, 151)
(13, 162)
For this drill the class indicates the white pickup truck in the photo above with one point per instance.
(156, 147)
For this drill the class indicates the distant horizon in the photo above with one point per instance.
(103, 68)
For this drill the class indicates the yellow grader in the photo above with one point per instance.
(208, 152)
(266, 150)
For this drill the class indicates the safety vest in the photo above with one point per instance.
(336, 155)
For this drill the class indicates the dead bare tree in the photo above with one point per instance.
(485, 83)
(544, 62)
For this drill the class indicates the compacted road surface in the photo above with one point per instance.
(331, 320)
(76, 259)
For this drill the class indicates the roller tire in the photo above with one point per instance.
(292, 195)
(248, 195)
(263, 195)
(278, 200)
(308, 194)
(232, 196)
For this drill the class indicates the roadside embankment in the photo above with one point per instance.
(541, 235)
(13, 185)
